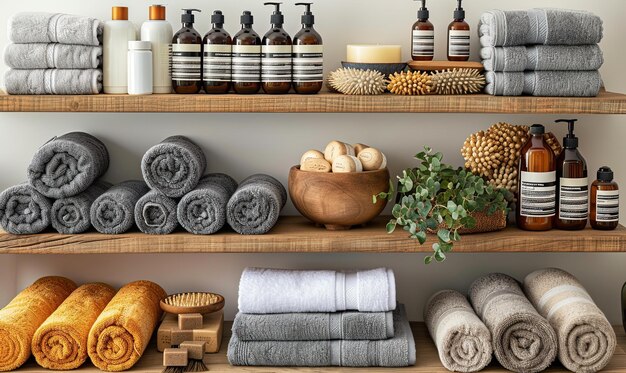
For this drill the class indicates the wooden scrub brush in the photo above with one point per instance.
(410, 83)
(351, 81)
(458, 81)
(183, 303)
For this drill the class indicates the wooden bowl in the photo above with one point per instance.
(338, 200)
(204, 308)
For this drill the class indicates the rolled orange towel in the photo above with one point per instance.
(60, 343)
(20, 319)
(122, 332)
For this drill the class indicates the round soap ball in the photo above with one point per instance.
(358, 147)
(347, 163)
(336, 148)
(372, 159)
(315, 165)
(311, 154)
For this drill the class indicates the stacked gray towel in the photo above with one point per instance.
(541, 52)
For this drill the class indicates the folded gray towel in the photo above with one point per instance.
(586, 339)
(155, 213)
(203, 210)
(398, 351)
(523, 341)
(462, 339)
(68, 164)
(314, 326)
(544, 83)
(23, 210)
(504, 83)
(70, 215)
(499, 28)
(174, 166)
(114, 211)
(542, 58)
(256, 205)
(53, 82)
(52, 56)
(39, 27)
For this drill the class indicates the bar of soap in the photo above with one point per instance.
(175, 357)
(316, 165)
(212, 331)
(180, 336)
(189, 321)
(372, 53)
(195, 349)
(347, 163)
(359, 147)
(336, 148)
(311, 154)
(372, 159)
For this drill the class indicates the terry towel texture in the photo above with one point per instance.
(53, 82)
(255, 207)
(20, 319)
(523, 341)
(286, 291)
(542, 58)
(70, 215)
(52, 56)
(314, 326)
(462, 339)
(114, 211)
(60, 343)
(39, 27)
(174, 166)
(123, 330)
(68, 164)
(544, 83)
(23, 210)
(586, 339)
(155, 213)
(398, 351)
(203, 210)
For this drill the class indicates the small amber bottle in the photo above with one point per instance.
(459, 36)
(217, 60)
(246, 69)
(423, 36)
(604, 201)
(186, 60)
(308, 56)
(276, 56)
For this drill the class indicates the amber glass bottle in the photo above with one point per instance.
(604, 201)
(216, 66)
(276, 56)
(246, 69)
(423, 36)
(187, 56)
(536, 205)
(459, 36)
(308, 56)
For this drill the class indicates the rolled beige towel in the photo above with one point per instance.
(586, 339)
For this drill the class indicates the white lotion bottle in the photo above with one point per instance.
(117, 33)
(159, 32)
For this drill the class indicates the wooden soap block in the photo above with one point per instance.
(211, 332)
(194, 349)
(175, 357)
(189, 321)
(180, 336)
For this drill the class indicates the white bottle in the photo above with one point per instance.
(117, 33)
(159, 32)
(139, 68)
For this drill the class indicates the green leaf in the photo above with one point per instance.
(391, 226)
(451, 206)
(440, 256)
(444, 235)
(421, 237)
(395, 211)
(428, 260)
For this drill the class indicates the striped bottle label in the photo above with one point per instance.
(186, 62)
(276, 63)
(217, 63)
(308, 63)
(246, 64)
(423, 43)
(459, 43)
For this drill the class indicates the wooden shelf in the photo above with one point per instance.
(605, 103)
(296, 234)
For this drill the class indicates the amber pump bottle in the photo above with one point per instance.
(186, 56)
(459, 36)
(276, 56)
(536, 203)
(246, 68)
(423, 36)
(604, 201)
(308, 56)
(217, 59)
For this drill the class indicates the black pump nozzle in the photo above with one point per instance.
(423, 13)
(570, 141)
(217, 18)
(537, 129)
(605, 174)
(308, 19)
(459, 13)
(277, 18)
(246, 18)
(188, 16)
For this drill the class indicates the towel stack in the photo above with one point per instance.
(541, 52)
(320, 318)
(57, 54)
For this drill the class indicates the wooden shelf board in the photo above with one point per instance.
(296, 234)
(427, 359)
(605, 103)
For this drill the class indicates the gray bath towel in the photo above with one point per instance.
(155, 213)
(68, 164)
(504, 83)
(39, 27)
(586, 339)
(462, 339)
(114, 211)
(203, 210)
(174, 166)
(544, 83)
(23, 210)
(70, 215)
(52, 56)
(523, 341)
(256, 205)
(542, 58)
(313, 326)
(398, 351)
(53, 82)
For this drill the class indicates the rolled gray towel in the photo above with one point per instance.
(53, 82)
(52, 56)
(203, 210)
(255, 206)
(586, 339)
(544, 83)
(155, 213)
(174, 166)
(23, 210)
(68, 164)
(70, 215)
(114, 211)
(462, 339)
(40, 27)
(523, 341)
(543, 58)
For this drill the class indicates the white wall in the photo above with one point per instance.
(242, 144)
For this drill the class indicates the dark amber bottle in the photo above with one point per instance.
(423, 36)
(217, 54)
(604, 201)
(276, 56)
(186, 61)
(459, 36)
(308, 56)
(536, 205)
(246, 68)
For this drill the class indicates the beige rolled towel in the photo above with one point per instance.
(462, 339)
(586, 339)
(60, 343)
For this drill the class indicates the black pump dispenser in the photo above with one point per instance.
(570, 141)
(277, 18)
(423, 12)
(459, 13)
(188, 16)
(605, 174)
(217, 19)
(308, 19)
(247, 19)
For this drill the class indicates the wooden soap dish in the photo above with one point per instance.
(444, 65)
(183, 303)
